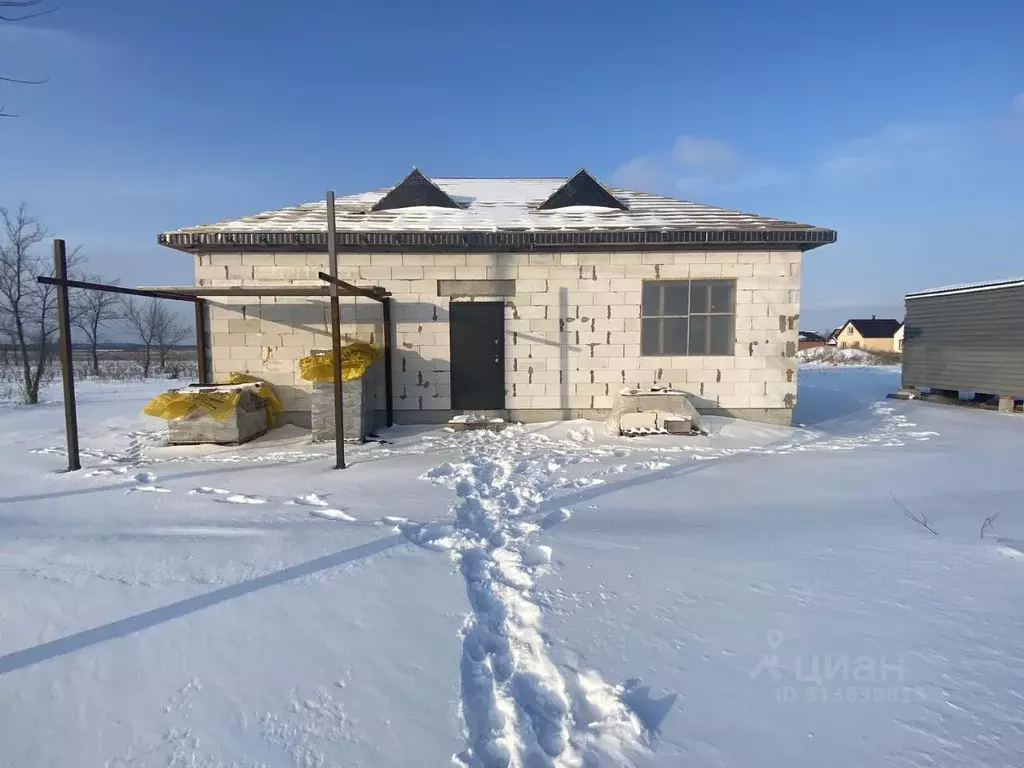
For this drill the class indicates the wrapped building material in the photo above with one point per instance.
(358, 402)
(235, 411)
(652, 412)
(239, 415)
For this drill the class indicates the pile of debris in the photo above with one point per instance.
(464, 422)
(654, 411)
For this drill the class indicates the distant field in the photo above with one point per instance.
(115, 364)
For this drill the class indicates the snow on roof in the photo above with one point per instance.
(498, 205)
(968, 287)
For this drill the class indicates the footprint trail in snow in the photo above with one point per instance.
(519, 708)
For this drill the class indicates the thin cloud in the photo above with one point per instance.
(895, 145)
(706, 158)
(645, 173)
(697, 165)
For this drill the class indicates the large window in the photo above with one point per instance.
(688, 317)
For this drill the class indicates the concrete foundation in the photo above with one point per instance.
(777, 416)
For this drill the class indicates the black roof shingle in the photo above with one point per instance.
(875, 329)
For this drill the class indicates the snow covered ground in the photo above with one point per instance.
(827, 355)
(846, 593)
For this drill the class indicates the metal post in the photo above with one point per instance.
(332, 259)
(389, 399)
(60, 271)
(201, 371)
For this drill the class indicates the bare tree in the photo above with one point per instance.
(20, 11)
(156, 329)
(27, 308)
(141, 318)
(169, 333)
(91, 313)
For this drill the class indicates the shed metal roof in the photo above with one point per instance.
(968, 287)
(497, 206)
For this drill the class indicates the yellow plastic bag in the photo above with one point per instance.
(355, 359)
(219, 405)
(264, 390)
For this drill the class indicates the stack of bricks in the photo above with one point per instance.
(572, 328)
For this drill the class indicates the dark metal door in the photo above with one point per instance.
(478, 355)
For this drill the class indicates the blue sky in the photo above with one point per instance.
(899, 124)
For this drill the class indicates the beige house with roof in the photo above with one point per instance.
(533, 299)
(874, 334)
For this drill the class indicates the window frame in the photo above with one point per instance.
(731, 314)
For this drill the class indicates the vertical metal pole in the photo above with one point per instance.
(332, 258)
(201, 371)
(389, 395)
(60, 271)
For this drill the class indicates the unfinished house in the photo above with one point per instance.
(528, 299)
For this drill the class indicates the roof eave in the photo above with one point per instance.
(785, 238)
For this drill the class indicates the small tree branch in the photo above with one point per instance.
(919, 518)
(988, 524)
(31, 14)
(23, 82)
(25, 4)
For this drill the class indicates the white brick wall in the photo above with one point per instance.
(598, 293)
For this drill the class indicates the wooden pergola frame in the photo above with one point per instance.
(333, 288)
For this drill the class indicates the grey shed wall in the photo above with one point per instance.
(969, 340)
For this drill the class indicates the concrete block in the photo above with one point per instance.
(282, 274)
(407, 273)
(608, 350)
(735, 374)
(386, 260)
(225, 259)
(771, 270)
(240, 272)
(746, 307)
(642, 271)
(594, 259)
(686, 257)
(543, 259)
(638, 420)
(738, 270)
(450, 260)
(536, 272)
(721, 257)
(530, 286)
(251, 325)
(674, 271)
(705, 271)
(258, 259)
(771, 297)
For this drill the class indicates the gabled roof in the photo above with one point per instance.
(582, 189)
(810, 336)
(499, 214)
(875, 329)
(415, 190)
